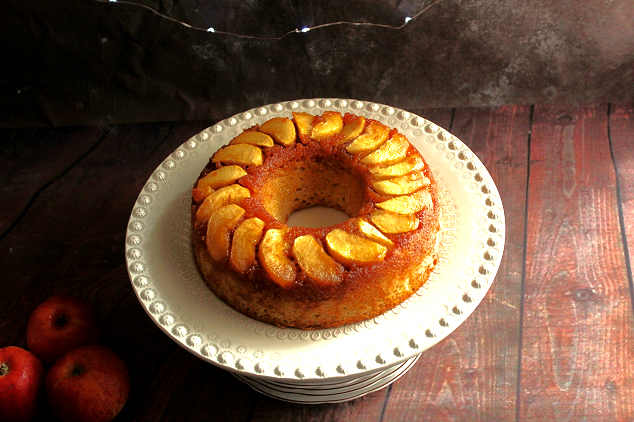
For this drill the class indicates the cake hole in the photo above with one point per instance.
(318, 190)
(316, 217)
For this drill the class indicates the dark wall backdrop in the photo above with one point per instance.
(89, 62)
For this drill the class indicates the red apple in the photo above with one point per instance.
(60, 324)
(90, 383)
(21, 384)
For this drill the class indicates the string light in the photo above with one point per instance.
(305, 29)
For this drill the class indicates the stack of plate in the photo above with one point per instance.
(328, 390)
(321, 366)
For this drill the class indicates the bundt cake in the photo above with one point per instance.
(313, 278)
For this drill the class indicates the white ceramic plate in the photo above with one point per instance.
(164, 275)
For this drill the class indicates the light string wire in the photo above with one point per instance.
(294, 31)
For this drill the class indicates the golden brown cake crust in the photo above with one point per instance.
(287, 181)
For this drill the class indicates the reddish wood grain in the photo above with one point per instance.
(472, 374)
(578, 336)
(622, 141)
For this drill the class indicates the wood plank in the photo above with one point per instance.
(622, 140)
(472, 374)
(189, 389)
(35, 253)
(364, 409)
(32, 158)
(578, 329)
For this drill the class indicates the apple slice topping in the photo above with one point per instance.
(352, 129)
(273, 255)
(281, 129)
(258, 139)
(221, 223)
(407, 204)
(331, 125)
(391, 223)
(315, 262)
(240, 154)
(224, 176)
(245, 240)
(402, 185)
(374, 136)
(232, 194)
(408, 165)
(199, 194)
(304, 122)
(369, 231)
(392, 151)
(351, 249)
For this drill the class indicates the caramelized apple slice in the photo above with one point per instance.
(352, 129)
(232, 194)
(200, 194)
(371, 232)
(408, 165)
(241, 154)
(258, 139)
(273, 255)
(221, 223)
(281, 129)
(403, 185)
(304, 122)
(224, 176)
(391, 223)
(407, 204)
(245, 239)
(331, 125)
(352, 249)
(394, 150)
(315, 262)
(373, 137)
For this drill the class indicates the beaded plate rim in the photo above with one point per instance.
(191, 315)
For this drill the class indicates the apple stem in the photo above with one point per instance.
(61, 321)
(77, 370)
(4, 369)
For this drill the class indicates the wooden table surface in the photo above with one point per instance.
(552, 340)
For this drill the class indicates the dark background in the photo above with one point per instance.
(77, 62)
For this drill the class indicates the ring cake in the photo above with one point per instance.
(313, 278)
